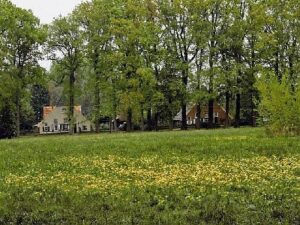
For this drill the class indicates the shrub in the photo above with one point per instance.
(280, 105)
(7, 125)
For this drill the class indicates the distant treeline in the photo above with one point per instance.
(147, 59)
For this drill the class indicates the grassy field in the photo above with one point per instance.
(195, 177)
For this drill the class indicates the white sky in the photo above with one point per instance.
(46, 10)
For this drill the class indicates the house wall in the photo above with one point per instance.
(57, 122)
(218, 112)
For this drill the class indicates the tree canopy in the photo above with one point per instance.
(146, 60)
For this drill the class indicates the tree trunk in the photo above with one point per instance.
(97, 105)
(198, 116)
(276, 66)
(211, 113)
(291, 66)
(171, 124)
(149, 119)
(18, 114)
(227, 108)
(71, 102)
(238, 110)
(142, 120)
(97, 91)
(253, 115)
(129, 120)
(199, 64)
(183, 100)
(115, 124)
(155, 125)
(115, 105)
(238, 103)
(183, 115)
(20, 86)
(110, 125)
(238, 94)
(211, 89)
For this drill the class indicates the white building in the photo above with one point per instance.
(55, 121)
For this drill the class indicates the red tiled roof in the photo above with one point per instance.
(49, 109)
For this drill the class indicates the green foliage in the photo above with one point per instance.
(280, 104)
(21, 40)
(153, 55)
(205, 177)
(39, 98)
(65, 44)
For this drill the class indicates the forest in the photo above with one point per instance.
(147, 60)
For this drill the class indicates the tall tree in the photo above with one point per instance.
(39, 98)
(177, 21)
(214, 18)
(255, 20)
(128, 33)
(65, 43)
(21, 39)
(201, 32)
(96, 18)
(237, 37)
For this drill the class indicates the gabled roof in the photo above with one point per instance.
(178, 117)
(49, 109)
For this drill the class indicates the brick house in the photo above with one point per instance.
(219, 116)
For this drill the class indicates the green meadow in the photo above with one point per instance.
(234, 176)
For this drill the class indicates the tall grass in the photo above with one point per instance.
(195, 177)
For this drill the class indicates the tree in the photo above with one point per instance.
(279, 104)
(96, 18)
(214, 17)
(177, 22)
(254, 32)
(21, 39)
(128, 32)
(201, 32)
(65, 43)
(39, 98)
(237, 32)
(7, 110)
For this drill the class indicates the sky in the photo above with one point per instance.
(46, 10)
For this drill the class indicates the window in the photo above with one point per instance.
(55, 121)
(84, 128)
(66, 120)
(46, 129)
(189, 121)
(64, 127)
(216, 114)
(206, 119)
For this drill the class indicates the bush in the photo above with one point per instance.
(280, 105)
(7, 125)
